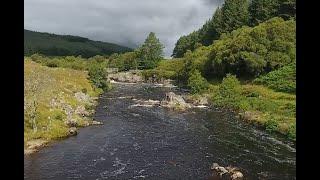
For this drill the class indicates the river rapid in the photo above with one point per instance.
(158, 143)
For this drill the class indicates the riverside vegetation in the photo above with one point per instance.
(245, 63)
(53, 97)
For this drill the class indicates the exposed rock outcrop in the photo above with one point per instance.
(128, 76)
(34, 145)
(229, 173)
(73, 131)
(174, 101)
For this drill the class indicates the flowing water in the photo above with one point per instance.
(158, 143)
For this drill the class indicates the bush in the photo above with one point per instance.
(283, 79)
(271, 125)
(197, 83)
(292, 132)
(97, 75)
(249, 52)
(229, 92)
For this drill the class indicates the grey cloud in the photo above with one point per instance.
(125, 22)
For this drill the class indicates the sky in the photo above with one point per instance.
(124, 22)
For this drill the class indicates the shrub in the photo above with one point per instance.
(283, 79)
(197, 83)
(252, 51)
(271, 125)
(292, 132)
(229, 92)
(97, 75)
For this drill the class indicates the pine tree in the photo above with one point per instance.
(262, 10)
(151, 52)
(235, 14)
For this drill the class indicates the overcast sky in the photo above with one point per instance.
(124, 22)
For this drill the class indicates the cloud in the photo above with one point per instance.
(125, 22)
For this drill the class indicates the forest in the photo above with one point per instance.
(66, 45)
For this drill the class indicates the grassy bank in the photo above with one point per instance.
(51, 97)
(257, 104)
(265, 101)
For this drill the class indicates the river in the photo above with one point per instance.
(159, 143)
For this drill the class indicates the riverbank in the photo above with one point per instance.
(57, 101)
(258, 105)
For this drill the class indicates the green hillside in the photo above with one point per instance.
(65, 45)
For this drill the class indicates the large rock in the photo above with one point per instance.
(231, 173)
(73, 131)
(174, 101)
(129, 77)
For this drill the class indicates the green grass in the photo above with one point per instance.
(276, 111)
(43, 85)
(282, 79)
(167, 69)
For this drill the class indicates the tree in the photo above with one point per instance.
(287, 9)
(186, 43)
(262, 10)
(249, 52)
(196, 82)
(151, 52)
(235, 14)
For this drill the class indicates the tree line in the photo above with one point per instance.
(233, 15)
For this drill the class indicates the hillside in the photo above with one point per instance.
(64, 45)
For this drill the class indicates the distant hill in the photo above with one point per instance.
(63, 45)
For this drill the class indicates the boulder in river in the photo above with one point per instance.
(173, 100)
(73, 131)
(129, 77)
(230, 173)
(96, 123)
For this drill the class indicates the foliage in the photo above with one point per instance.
(197, 83)
(98, 76)
(151, 52)
(196, 60)
(283, 79)
(229, 92)
(185, 43)
(232, 15)
(262, 10)
(166, 69)
(46, 92)
(66, 45)
(276, 111)
(252, 51)
(124, 62)
(235, 14)
(96, 66)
